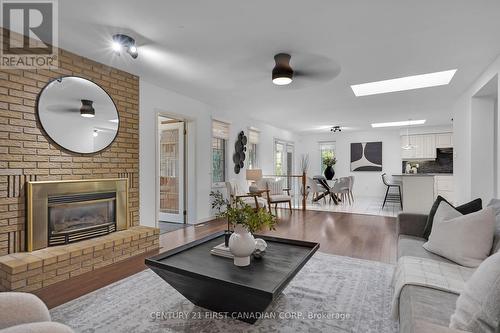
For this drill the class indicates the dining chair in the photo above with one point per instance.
(351, 185)
(315, 190)
(341, 189)
(321, 180)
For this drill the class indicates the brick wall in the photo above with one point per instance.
(26, 152)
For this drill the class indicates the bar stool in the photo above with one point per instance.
(392, 197)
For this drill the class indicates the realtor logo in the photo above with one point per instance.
(29, 37)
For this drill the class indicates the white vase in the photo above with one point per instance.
(241, 245)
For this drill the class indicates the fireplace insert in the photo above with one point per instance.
(77, 217)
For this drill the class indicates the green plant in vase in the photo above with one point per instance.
(245, 220)
(329, 160)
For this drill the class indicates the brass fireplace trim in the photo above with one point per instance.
(37, 194)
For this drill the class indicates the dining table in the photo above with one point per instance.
(328, 185)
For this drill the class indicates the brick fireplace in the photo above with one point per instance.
(47, 190)
(28, 154)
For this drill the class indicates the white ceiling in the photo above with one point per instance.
(221, 52)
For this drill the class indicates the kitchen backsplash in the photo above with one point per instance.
(442, 164)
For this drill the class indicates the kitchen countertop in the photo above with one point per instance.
(421, 174)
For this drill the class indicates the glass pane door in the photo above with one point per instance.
(171, 170)
(279, 159)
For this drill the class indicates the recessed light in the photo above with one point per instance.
(404, 83)
(400, 123)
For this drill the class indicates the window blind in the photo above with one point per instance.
(253, 136)
(220, 129)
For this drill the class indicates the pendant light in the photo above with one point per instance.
(408, 146)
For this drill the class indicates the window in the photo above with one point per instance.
(220, 135)
(279, 157)
(253, 141)
(326, 149)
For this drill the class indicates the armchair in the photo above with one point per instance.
(276, 193)
(252, 199)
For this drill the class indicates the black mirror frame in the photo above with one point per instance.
(46, 134)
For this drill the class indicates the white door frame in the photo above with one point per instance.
(286, 144)
(157, 166)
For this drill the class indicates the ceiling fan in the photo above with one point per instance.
(308, 66)
(86, 109)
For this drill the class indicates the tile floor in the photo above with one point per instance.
(361, 205)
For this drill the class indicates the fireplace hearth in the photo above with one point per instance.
(62, 212)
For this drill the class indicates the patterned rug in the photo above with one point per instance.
(330, 294)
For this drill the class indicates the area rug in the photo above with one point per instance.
(330, 294)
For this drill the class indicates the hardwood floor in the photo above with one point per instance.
(354, 235)
(359, 236)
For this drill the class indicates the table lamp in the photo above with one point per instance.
(253, 175)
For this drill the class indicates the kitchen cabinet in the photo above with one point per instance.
(424, 147)
(443, 186)
(444, 140)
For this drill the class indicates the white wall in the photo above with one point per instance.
(462, 134)
(367, 183)
(268, 133)
(198, 117)
(154, 99)
(482, 158)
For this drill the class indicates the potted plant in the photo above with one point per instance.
(329, 160)
(245, 221)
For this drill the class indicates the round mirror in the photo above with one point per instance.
(78, 115)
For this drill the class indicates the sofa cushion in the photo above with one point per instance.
(466, 239)
(412, 246)
(467, 208)
(424, 304)
(478, 306)
(495, 204)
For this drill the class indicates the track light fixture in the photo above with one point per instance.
(124, 42)
(336, 129)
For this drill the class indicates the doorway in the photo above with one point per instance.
(284, 160)
(171, 173)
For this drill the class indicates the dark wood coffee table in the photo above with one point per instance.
(215, 283)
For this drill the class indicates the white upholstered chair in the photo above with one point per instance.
(252, 199)
(315, 190)
(26, 313)
(341, 189)
(275, 192)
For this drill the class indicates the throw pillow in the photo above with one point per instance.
(466, 239)
(470, 207)
(478, 306)
(495, 204)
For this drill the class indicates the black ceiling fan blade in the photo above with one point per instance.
(62, 109)
(324, 75)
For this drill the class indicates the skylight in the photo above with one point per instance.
(400, 123)
(404, 83)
